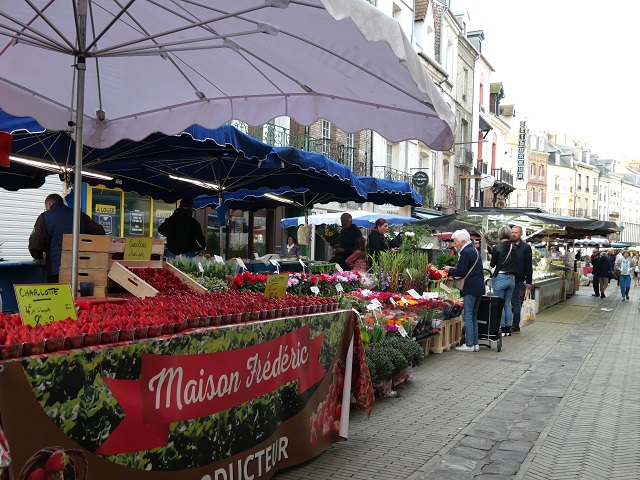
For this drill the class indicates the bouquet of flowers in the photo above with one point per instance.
(331, 235)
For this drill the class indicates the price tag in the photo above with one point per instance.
(405, 300)
(315, 290)
(409, 273)
(276, 286)
(200, 267)
(376, 302)
(414, 294)
(339, 288)
(402, 331)
(372, 306)
(218, 259)
(445, 288)
(303, 264)
(275, 264)
(393, 302)
(138, 248)
(241, 263)
(256, 256)
(339, 268)
(431, 295)
(42, 304)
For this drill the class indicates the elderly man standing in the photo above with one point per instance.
(524, 263)
(348, 241)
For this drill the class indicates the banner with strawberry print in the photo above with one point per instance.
(240, 401)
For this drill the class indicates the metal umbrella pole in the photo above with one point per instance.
(77, 191)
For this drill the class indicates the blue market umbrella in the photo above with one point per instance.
(382, 191)
(168, 167)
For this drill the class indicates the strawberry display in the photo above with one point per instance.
(326, 418)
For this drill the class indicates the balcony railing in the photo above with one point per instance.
(464, 158)
(541, 205)
(448, 197)
(391, 173)
(357, 160)
(502, 175)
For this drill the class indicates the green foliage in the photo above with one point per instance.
(411, 350)
(387, 362)
(210, 268)
(380, 366)
(445, 259)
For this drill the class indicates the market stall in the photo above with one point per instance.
(205, 401)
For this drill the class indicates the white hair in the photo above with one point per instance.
(461, 236)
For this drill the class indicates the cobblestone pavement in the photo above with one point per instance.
(560, 401)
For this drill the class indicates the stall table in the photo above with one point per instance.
(237, 401)
(548, 292)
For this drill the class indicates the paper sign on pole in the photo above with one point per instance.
(339, 288)
(409, 273)
(393, 302)
(315, 290)
(138, 248)
(303, 264)
(339, 268)
(42, 304)
(444, 287)
(276, 286)
(402, 331)
(200, 267)
(241, 263)
(218, 259)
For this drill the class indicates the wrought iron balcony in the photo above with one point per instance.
(391, 173)
(502, 175)
(448, 197)
(464, 157)
(357, 160)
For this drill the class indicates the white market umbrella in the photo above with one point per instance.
(110, 70)
(360, 218)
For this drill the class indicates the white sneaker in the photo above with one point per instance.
(476, 348)
(465, 348)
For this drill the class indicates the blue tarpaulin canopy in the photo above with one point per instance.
(168, 167)
(393, 192)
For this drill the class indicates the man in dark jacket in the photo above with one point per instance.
(524, 263)
(48, 231)
(349, 236)
(604, 268)
(596, 284)
(183, 232)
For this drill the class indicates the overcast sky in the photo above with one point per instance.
(567, 65)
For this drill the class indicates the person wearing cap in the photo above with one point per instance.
(183, 232)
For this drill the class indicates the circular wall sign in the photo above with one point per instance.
(420, 179)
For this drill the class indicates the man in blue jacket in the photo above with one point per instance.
(48, 231)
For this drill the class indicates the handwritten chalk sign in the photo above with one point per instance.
(276, 286)
(42, 304)
(138, 248)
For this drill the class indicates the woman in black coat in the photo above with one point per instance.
(378, 242)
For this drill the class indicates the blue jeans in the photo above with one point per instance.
(516, 302)
(471, 304)
(625, 284)
(503, 286)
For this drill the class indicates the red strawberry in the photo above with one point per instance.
(37, 473)
(56, 462)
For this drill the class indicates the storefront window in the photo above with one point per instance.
(161, 211)
(137, 215)
(238, 241)
(260, 235)
(107, 210)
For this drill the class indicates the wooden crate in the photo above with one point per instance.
(99, 278)
(88, 243)
(138, 287)
(88, 260)
(449, 336)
